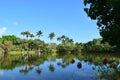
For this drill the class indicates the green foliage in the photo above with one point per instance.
(67, 46)
(39, 33)
(12, 38)
(107, 14)
(97, 46)
(63, 49)
(15, 48)
(64, 39)
(51, 35)
(26, 33)
(6, 46)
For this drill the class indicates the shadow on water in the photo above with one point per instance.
(66, 67)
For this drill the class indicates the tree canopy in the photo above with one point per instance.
(51, 35)
(107, 14)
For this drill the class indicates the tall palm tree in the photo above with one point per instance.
(31, 36)
(39, 33)
(27, 33)
(70, 40)
(51, 35)
(59, 39)
(22, 33)
(63, 38)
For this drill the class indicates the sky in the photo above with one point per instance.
(63, 17)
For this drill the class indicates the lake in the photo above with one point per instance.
(60, 67)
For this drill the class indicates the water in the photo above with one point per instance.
(65, 67)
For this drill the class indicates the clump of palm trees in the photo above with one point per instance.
(36, 44)
(51, 35)
(27, 34)
(66, 44)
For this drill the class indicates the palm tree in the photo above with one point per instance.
(39, 33)
(31, 36)
(23, 33)
(27, 33)
(59, 39)
(63, 38)
(51, 35)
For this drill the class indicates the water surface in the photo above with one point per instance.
(60, 67)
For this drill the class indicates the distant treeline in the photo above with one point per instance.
(66, 45)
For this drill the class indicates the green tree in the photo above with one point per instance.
(107, 14)
(96, 46)
(22, 33)
(62, 38)
(51, 35)
(12, 38)
(6, 46)
(59, 39)
(27, 33)
(31, 36)
(39, 33)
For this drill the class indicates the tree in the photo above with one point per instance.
(59, 39)
(26, 33)
(31, 36)
(15, 40)
(23, 33)
(64, 39)
(39, 33)
(51, 35)
(6, 46)
(107, 14)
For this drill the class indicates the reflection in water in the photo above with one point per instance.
(64, 67)
(72, 61)
(26, 69)
(63, 64)
(38, 70)
(51, 68)
(79, 65)
(105, 61)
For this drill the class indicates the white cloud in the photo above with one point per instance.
(15, 23)
(2, 30)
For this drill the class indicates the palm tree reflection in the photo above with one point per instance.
(63, 64)
(38, 70)
(51, 68)
(26, 69)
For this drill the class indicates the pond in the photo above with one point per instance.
(60, 67)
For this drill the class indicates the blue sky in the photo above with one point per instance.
(63, 17)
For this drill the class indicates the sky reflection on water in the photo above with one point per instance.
(69, 72)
